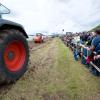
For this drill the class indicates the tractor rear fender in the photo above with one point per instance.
(5, 24)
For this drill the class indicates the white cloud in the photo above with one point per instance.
(54, 15)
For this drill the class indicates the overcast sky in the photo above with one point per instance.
(54, 15)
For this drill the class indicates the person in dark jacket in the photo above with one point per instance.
(95, 41)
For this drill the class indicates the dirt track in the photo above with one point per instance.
(41, 55)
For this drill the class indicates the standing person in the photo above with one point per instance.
(95, 46)
(91, 36)
(95, 41)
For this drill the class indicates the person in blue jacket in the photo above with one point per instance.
(95, 46)
(95, 41)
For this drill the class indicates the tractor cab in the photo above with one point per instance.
(38, 38)
(38, 34)
(3, 10)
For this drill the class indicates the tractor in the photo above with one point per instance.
(39, 38)
(14, 49)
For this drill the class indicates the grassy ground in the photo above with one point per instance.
(54, 75)
(79, 83)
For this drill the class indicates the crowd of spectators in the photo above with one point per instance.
(90, 39)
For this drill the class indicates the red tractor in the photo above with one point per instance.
(38, 38)
(14, 50)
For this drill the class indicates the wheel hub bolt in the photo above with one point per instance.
(11, 55)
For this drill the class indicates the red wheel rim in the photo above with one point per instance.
(14, 55)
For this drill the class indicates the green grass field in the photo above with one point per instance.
(78, 83)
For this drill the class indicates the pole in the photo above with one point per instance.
(0, 16)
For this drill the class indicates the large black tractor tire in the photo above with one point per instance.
(14, 55)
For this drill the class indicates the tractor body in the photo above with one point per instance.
(39, 38)
(6, 24)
